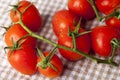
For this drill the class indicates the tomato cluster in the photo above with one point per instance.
(22, 53)
(100, 37)
(68, 26)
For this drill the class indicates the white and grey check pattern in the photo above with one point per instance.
(81, 70)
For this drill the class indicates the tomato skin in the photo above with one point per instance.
(107, 6)
(62, 20)
(81, 8)
(82, 44)
(49, 72)
(23, 60)
(31, 17)
(113, 22)
(16, 32)
(101, 39)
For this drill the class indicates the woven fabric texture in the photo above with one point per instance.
(84, 69)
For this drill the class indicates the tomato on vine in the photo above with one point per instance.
(81, 8)
(62, 20)
(115, 22)
(23, 59)
(15, 33)
(103, 38)
(30, 15)
(82, 43)
(107, 6)
(49, 64)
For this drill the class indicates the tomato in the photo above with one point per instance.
(81, 8)
(83, 43)
(101, 39)
(30, 15)
(107, 6)
(16, 32)
(50, 72)
(113, 22)
(23, 60)
(61, 20)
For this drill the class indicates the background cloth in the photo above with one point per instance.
(83, 69)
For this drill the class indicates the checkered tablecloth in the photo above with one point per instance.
(83, 69)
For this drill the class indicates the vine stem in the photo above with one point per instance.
(96, 60)
(95, 10)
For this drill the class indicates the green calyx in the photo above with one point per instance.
(16, 45)
(45, 61)
(76, 31)
(115, 13)
(115, 44)
(74, 34)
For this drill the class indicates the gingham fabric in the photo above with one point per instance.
(83, 69)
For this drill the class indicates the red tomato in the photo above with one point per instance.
(15, 32)
(49, 72)
(81, 8)
(82, 43)
(101, 39)
(113, 22)
(107, 6)
(31, 17)
(62, 20)
(23, 60)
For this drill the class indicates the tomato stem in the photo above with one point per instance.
(49, 57)
(107, 62)
(112, 53)
(99, 18)
(40, 54)
(51, 54)
(21, 23)
(77, 27)
(26, 8)
(83, 33)
(23, 39)
(73, 40)
(6, 28)
(60, 46)
(115, 44)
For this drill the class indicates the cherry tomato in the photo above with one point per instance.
(81, 8)
(101, 39)
(113, 22)
(63, 20)
(107, 6)
(30, 15)
(82, 43)
(23, 60)
(50, 72)
(16, 32)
